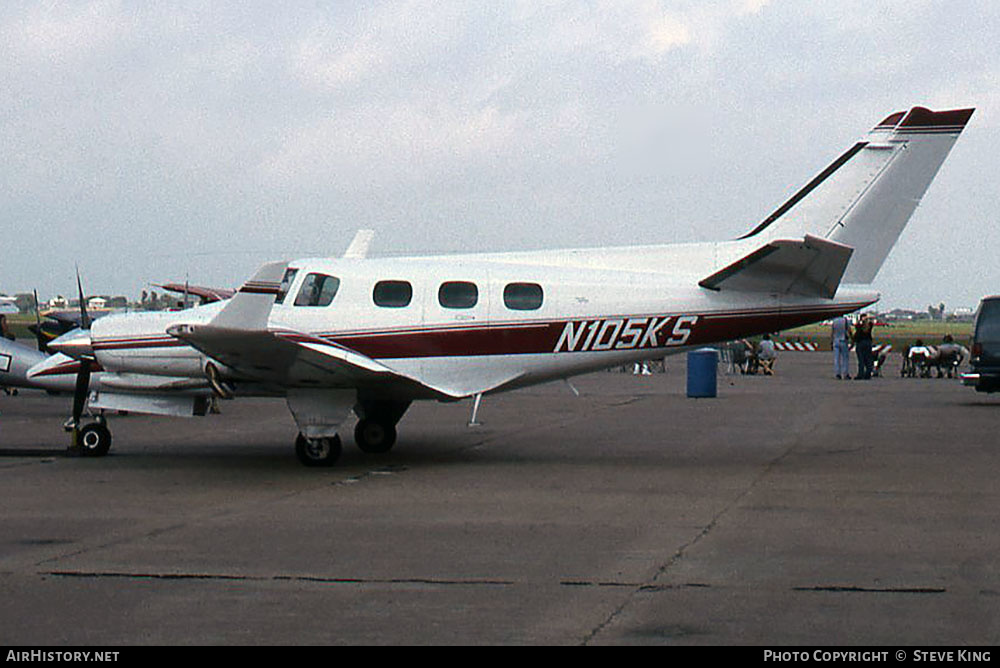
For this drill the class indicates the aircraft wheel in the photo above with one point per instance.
(318, 451)
(374, 437)
(94, 440)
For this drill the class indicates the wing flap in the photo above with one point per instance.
(812, 267)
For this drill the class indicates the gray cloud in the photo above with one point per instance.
(150, 142)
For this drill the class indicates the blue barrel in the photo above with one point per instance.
(702, 366)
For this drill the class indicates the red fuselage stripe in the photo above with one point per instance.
(520, 338)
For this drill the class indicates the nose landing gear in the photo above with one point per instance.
(94, 440)
(90, 440)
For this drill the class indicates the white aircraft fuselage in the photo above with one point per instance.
(587, 319)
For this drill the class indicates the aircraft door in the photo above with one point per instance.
(457, 308)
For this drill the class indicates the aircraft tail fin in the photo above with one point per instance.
(812, 267)
(865, 197)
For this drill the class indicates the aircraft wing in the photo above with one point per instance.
(206, 295)
(295, 359)
(71, 318)
(812, 267)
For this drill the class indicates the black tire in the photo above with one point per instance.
(94, 440)
(318, 451)
(374, 437)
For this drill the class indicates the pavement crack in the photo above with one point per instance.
(653, 584)
(465, 582)
(588, 583)
(873, 590)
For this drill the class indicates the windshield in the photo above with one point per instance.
(286, 283)
(988, 321)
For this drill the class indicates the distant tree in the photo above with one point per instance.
(25, 302)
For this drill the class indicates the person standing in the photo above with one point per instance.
(840, 334)
(863, 347)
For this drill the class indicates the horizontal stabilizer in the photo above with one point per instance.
(812, 267)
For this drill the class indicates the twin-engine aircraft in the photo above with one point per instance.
(373, 335)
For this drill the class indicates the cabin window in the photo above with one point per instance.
(317, 290)
(392, 294)
(458, 294)
(286, 283)
(522, 296)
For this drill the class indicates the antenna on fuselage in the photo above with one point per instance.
(358, 249)
(473, 422)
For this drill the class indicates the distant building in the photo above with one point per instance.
(97, 303)
(962, 314)
(58, 302)
(904, 314)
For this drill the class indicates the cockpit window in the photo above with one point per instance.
(286, 283)
(458, 294)
(317, 290)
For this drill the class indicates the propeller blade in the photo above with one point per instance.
(84, 318)
(82, 389)
(38, 326)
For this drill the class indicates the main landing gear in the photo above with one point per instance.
(375, 434)
(374, 437)
(318, 451)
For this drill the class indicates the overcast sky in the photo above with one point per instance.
(158, 141)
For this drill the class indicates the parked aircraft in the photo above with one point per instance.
(52, 324)
(203, 295)
(17, 358)
(372, 335)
